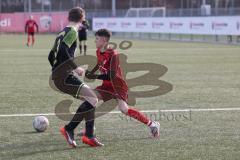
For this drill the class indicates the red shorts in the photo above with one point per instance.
(31, 33)
(108, 93)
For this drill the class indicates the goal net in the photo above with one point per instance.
(146, 12)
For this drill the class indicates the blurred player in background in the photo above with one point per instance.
(82, 36)
(30, 28)
(65, 76)
(114, 85)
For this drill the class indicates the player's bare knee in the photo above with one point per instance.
(93, 101)
(123, 108)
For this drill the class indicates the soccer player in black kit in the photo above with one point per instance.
(65, 77)
(82, 36)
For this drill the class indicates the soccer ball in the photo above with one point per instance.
(40, 123)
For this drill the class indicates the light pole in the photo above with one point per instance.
(113, 8)
(29, 6)
(203, 2)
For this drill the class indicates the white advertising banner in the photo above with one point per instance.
(182, 25)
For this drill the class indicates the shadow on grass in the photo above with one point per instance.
(13, 133)
(128, 139)
(33, 151)
(31, 132)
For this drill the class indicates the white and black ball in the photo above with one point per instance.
(40, 123)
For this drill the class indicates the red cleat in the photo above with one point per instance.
(68, 135)
(93, 142)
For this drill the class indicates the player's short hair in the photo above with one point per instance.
(103, 33)
(76, 14)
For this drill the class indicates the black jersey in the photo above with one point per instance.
(84, 27)
(64, 48)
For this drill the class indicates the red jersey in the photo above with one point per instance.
(30, 26)
(109, 61)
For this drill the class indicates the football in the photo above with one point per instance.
(40, 123)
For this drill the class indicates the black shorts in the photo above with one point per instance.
(70, 85)
(31, 33)
(82, 36)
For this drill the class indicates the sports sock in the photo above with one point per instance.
(90, 123)
(138, 116)
(80, 48)
(85, 49)
(89, 128)
(79, 115)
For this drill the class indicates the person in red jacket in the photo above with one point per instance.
(30, 28)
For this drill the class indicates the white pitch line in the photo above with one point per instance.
(117, 112)
(29, 50)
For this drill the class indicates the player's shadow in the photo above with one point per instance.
(18, 155)
(26, 132)
(31, 132)
(128, 139)
(37, 151)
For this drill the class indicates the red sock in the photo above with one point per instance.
(138, 116)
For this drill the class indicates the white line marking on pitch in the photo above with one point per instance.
(29, 50)
(117, 112)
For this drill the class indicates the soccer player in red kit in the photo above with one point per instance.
(114, 86)
(30, 28)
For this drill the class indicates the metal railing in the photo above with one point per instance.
(195, 12)
(9, 6)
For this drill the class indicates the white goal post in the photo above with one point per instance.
(146, 12)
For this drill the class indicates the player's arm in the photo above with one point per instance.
(52, 53)
(87, 25)
(95, 69)
(91, 74)
(51, 57)
(26, 26)
(108, 76)
(36, 26)
(111, 74)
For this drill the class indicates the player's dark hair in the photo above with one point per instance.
(103, 33)
(76, 14)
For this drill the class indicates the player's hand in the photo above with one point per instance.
(90, 75)
(79, 70)
(87, 72)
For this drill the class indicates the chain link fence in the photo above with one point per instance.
(102, 8)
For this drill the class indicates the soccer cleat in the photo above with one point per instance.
(155, 129)
(93, 142)
(69, 136)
